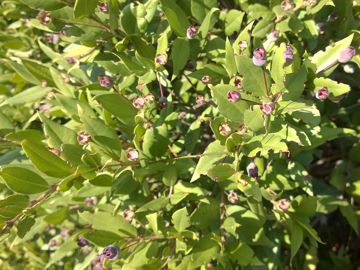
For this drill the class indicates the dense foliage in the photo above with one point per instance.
(179, 134)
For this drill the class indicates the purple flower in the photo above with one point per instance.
(110, 252)
(103, 7)
(52, 38)
(82, 242)
(44, 17)
(104, 81)
(322, 93)
(191, 32)
(267, 108)
(346, 54)
(233, 96)
(259, 57)
(252, 171)
(288, 55)
(90, 201)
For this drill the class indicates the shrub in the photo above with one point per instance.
(179, 134)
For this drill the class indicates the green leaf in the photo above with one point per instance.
(294, 84)
(46, 161)
(44, 5)
(170, 175)
(57, 216)
(102, 180)
(233, 21)
(27, 96)
(23, 180)
(154, 205)
(213, 153)
(12, 206)
(84, 8)
(156, 141)
(208, 22)
(301, 109)
(65, 88)
(325, 59)
(351, 216)
(5, 124)
(107, 222)
(199, 8)
(23, 72)
(230, 64)
(234, 111)
(175, 16)
(296, 239)
(243, 254)
(254, 119)
(204, 251)
(181, 219)
(180, 53)
(40, 71)
(253, 81)
(121, 107)
(58, 134)
(102, 238)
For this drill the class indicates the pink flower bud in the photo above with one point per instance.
(346, 55)
(287, 5)
(267, 108)
(238, 82)
(44, 17)
(54, 151)
(322, 93)
(200, 100)
(233, 96)
(90, 201)
(284, 204)
(224, 129)
(103, 7)
(233, 197)
(83, 138)
(191, 32)
(104, 81)
(43, 83)
(161, 59)
(259, 57)
(128, 214)
(44, 106)
(182, 115)
(206, 79)
(242, 45)
(132, 154)
(274, 35)
(71, 60)
(138, 102)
